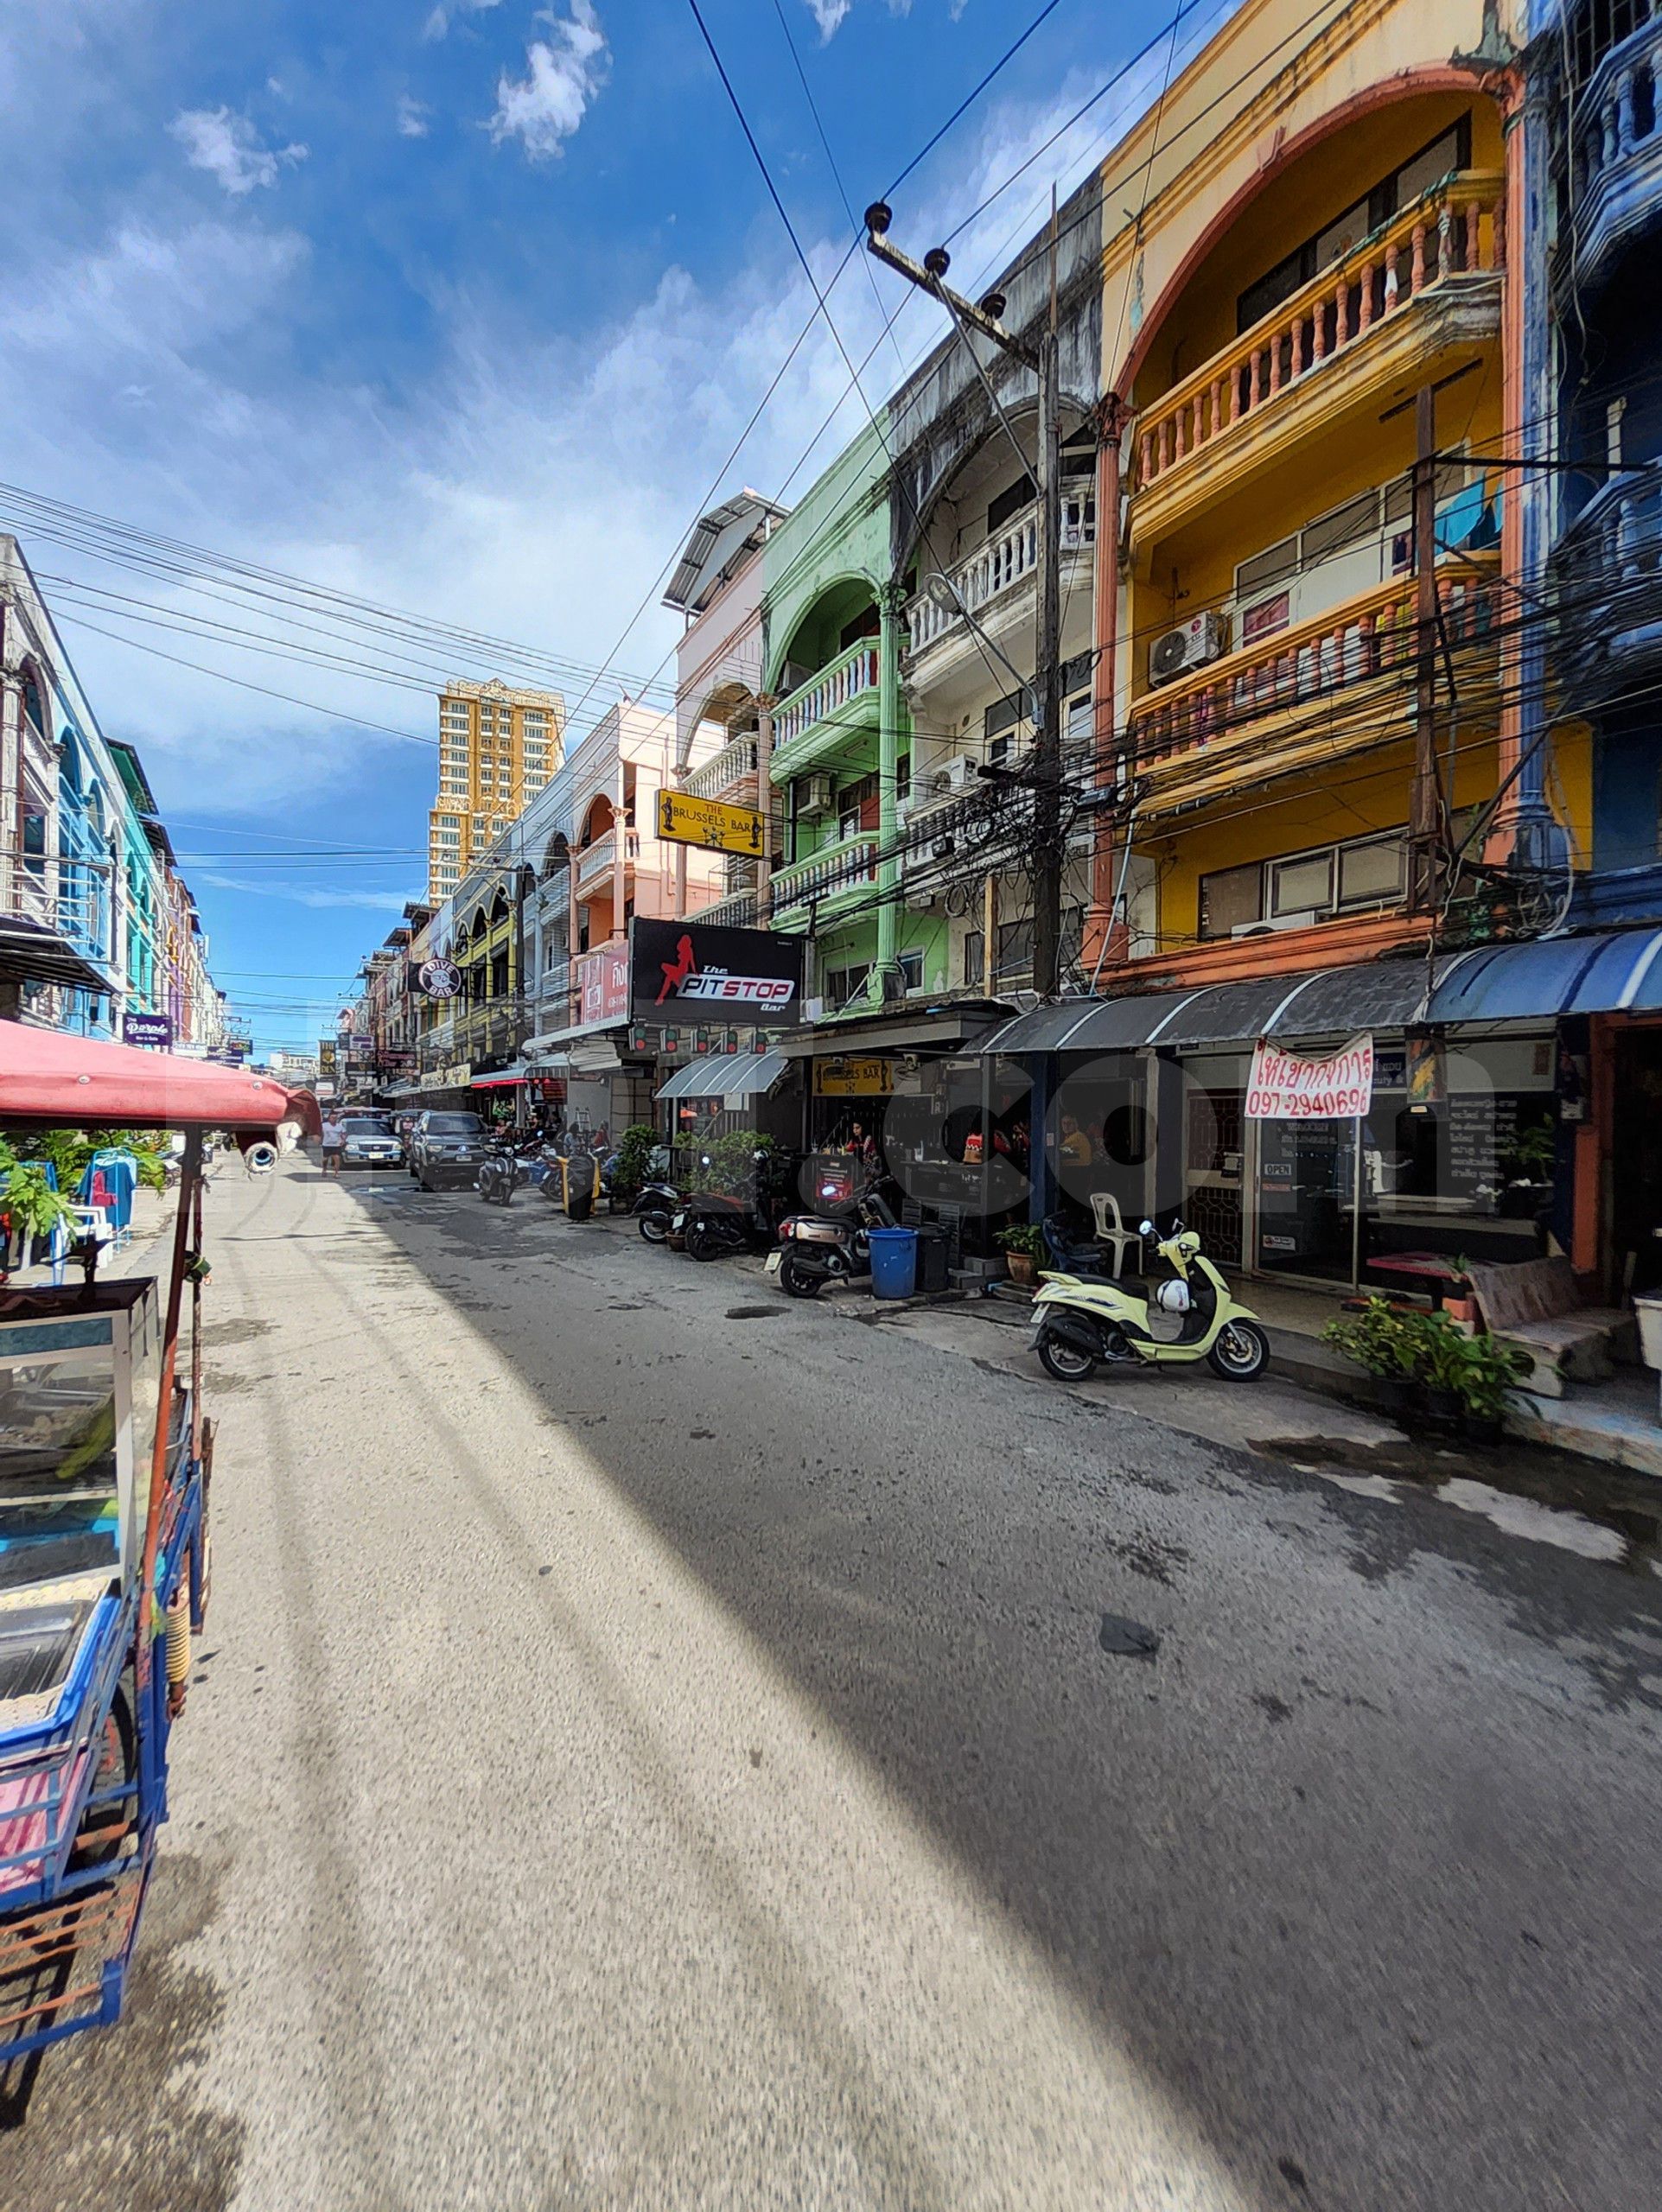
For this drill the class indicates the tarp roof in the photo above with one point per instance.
(728, 1076)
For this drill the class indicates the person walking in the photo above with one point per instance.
(335, 1143)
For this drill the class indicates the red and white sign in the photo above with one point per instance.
(603, 984)
(1296, 1087)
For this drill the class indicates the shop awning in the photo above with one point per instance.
(730, 1076)
(1330, 1002)
(1613, 971)
(46, 1076)
(1610, 971)
(500, 1079)
(943, 1028)
(31, 952)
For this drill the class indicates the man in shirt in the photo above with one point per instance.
(334, 1143)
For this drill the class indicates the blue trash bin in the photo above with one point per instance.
(894, 1262)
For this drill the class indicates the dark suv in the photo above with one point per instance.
(446, 1148)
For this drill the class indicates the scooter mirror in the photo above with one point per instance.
(1145, 1229)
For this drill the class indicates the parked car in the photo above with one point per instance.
(372, 1142)
(446, 1148)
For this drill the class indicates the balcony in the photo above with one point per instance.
(1424, 291)
(1614, 157)
(596, 861)
(836, 877)
(998, 584)
(730, 775)
(1607, 569)
(1334, 685)
(737, 911)
(839, 702)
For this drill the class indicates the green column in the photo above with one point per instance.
(890, 710)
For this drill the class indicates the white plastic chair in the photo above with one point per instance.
(1111, 1229)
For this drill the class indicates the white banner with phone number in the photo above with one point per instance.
(1297, 1087)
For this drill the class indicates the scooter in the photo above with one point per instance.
(715, 1225)
(816, 1249)
(658, 1201)
(1080, 1325)
(505, 1167)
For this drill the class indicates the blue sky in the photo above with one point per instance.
(457, 306)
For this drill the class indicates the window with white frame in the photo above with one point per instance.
(1294, 888)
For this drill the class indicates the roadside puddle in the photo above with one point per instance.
(1542, 1497)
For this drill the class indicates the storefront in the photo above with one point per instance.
(719, 1092)
(1479, 1136)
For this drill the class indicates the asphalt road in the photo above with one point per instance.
(655, 1746)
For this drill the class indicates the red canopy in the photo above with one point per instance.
(47, 1077)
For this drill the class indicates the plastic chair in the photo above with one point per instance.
(1111, 1229)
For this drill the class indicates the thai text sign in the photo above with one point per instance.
(1300, 1087)
(709, 823)
(603, 985)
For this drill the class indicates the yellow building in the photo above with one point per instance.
(1310, 277)
(498, 747)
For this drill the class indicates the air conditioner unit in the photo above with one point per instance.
(1191, 646)
(1305, 919)
(960, 774)
(817, 794)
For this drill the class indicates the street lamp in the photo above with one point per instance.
(945, 596)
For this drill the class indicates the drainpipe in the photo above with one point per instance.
(890, 606)
(1524, 835)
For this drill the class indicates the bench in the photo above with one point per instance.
(1534, 1305)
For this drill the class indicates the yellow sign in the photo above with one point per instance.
(850, 1078)
(709, 823)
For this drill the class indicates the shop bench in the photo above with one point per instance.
(1534, 1305)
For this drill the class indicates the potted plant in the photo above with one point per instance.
(1443, 1353)
(30, 1208)
(1378, 1338)
(1024, 1247)
(1459, 1299)
(1491, 1372)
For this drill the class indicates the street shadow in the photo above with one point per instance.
(1379, 1963)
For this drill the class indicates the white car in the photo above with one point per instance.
(371, 1142)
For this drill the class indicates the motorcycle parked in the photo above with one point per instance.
(715, 1224)
(1080, 1324)
(658, 1201)
(506, 1166)
(816, 1249)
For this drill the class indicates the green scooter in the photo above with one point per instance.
(1080, 1324)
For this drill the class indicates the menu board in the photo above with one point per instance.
(1482, 1128)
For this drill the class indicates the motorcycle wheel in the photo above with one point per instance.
(796, 1281)
(1241, 1353)
(654, 1227)
(703, 1243)
(1065, 1362)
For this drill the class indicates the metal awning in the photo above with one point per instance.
(946, 1028)
(31, 952)
(730, 1076)
(1610, 971)
(499, 1077)
(1613, 971)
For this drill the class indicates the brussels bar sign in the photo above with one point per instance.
(682, 971)
(710, 823)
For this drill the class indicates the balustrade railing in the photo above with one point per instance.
(1009, 556)
(853, 671)
(1366, 638)
(735, 760)
(850, 860)
(1457, 230)
(1615, 115)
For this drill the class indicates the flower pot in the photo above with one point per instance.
(1021, 1266)
(1396, 1396)
(1481, 1428)
(1442, 1407)
(1464, 1310)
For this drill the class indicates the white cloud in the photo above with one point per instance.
(543, 108)
(228, 146)
(412, 116)
(448, 12)
(302, 895)
(832, 15)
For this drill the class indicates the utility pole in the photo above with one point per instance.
(1424, 817)
(1042, 360)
